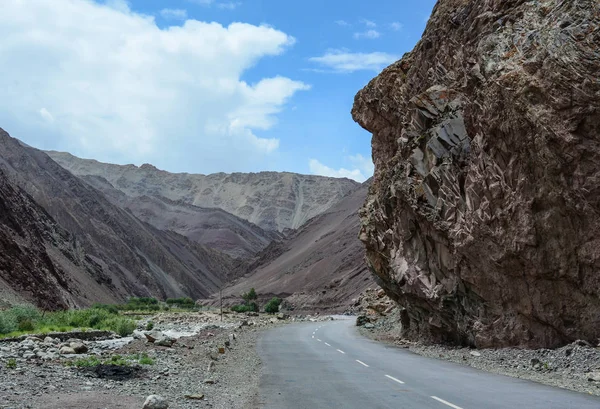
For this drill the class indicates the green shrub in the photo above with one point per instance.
(149, 326)
(11, 364)
(107, 307)
(146, 360)
(273, 305)
(7, 323)
(26, 325)
(252, 307)
(250, 296)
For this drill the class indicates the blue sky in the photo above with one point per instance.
(201, 86)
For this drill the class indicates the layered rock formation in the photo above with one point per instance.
(271, 200)
(483, 218)
(112, 254)
(320, 266)
(213, 228)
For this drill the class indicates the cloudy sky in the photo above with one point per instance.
(200, 86)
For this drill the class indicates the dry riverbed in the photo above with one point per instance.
(192, 360)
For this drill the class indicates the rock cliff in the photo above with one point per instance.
(271, 200)
(483, 218)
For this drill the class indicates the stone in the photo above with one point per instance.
(165, 341)
(475, 353)
(155, 402)
(211, 367)
(369, 326)
(481, 219)
(78, 347)
(221, 350)
(67, 351)
(593, 376)
(362, 320)
(199, 396)
(209, 381)
(282, 316)
(152, 336)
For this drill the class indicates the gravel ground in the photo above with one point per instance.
(191, 367)
(575, 366)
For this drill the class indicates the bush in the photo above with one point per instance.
(183, 302)
(26, 325)
(149, 326)
(250, 296)
(252, 307)
(107, 307)
(273, 305)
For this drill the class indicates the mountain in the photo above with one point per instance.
(213, 228)
(321, 266)
(272, 200)
(483, 218)
(124, 255)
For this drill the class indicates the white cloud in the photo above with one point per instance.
(369, 34)
(122, 89)
(345, 61)
(317, 168)
(368, 23)
(46, 115)
(364, 164)
(174, 14)
(396, 26)
(342, 23)
(229, 5)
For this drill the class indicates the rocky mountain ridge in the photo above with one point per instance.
(127, 256)
(482, 221)
(321, 266)
(272, 200)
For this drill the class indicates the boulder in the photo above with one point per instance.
(482, 217)
(155, 402)
(78, 347)
(362, 320)
(67, 351)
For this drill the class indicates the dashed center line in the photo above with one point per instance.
(362, 363)
(313, 336)
(395, 380)
(327, 344)
(446, 403)
(319, 340)
(340, 351)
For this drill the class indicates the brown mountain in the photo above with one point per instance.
(272, 200)
(320, 266)
(129, 257)
(483, 219)
(213, 228)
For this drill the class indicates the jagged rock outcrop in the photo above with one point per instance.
(271, 200)
(483, 218)
(129, 257)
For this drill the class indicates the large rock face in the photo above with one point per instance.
(271, 200)
(483, 218)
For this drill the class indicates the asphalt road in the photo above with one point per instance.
(329, 365)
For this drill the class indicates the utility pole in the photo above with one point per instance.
(221, 301)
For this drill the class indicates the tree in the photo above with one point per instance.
(273, 305)
(250, 296)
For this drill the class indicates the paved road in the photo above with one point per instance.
(329, 365)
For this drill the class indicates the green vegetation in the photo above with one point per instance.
(119, 360)
(12, 363)
(183, 302)
(149, 326)
(273, 305)
(23, 319)
(249, 305)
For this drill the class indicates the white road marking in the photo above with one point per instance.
(319, 340)
(362, 363)
(327, 344)
(340, 351)
(394, 379)
(446, 403)
(313, 336)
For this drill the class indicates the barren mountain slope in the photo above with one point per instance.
(484, 215)
(271, 200)
(322, 264)
(135, 258)
(213, 228)
(40, 262)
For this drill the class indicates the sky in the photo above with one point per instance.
(201, 86)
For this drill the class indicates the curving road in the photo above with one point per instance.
(329, 365)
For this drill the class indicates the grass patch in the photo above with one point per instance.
(11, 364)
(25, 319)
